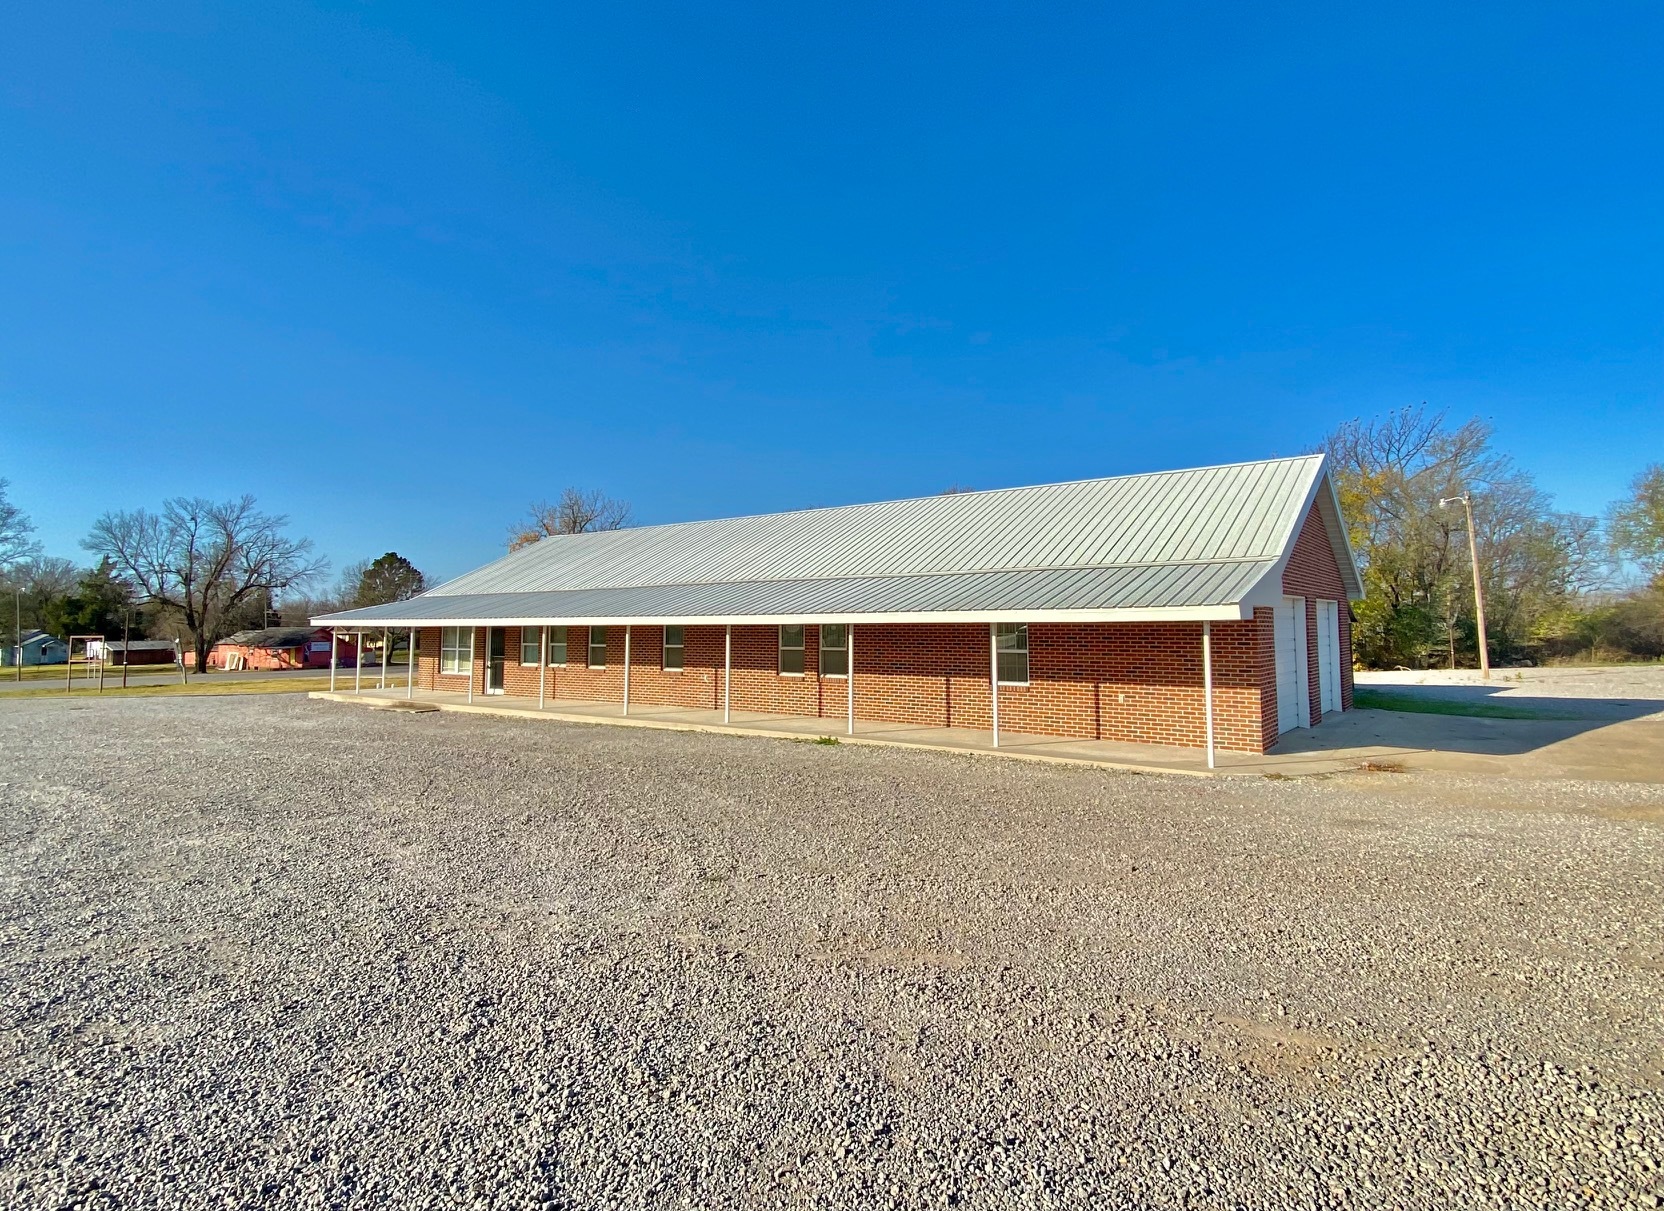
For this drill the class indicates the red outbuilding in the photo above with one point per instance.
(282, 648)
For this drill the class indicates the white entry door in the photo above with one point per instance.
(1293, 694)
(1328, 655)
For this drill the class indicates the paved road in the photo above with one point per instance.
(8, 685)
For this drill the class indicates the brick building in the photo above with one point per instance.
(282, 648)
(1114, 609)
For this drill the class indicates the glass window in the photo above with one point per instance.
(674, 649)
(1011, 644)
(531, 638)
(557, 645)
(597, 647)
(791, 650)
(456, 649)
(834, 650)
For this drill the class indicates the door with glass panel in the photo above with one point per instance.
(496, 658)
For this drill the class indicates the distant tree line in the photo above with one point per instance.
(1558, 586)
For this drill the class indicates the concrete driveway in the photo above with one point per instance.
(1602, 723)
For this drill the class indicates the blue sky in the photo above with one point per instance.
(399, 270)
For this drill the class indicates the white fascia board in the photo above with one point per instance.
(1234, 612)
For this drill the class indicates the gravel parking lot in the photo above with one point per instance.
(275, 951)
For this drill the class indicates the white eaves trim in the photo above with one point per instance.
(1219, 613)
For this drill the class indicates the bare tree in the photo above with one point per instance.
(203, 560)
(40, 582)
(346, 586)
(15, 528)
(576, 512)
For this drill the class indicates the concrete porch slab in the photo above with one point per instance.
(1103, 754)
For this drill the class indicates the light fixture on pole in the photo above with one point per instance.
(1478, 592)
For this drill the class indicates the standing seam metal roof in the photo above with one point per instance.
(1164, 540)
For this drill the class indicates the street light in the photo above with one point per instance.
(1478, 593)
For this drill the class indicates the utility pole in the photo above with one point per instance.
(1478, 592)
(17, 652)
(126, 639)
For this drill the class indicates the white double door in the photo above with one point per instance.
(1328, 655)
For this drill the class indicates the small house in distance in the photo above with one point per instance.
(281, 648)
(133, 652)
(38, 648)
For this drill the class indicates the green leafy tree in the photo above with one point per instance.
(389, 578)
(1390, 473)
(98, 606)
(1635, 525)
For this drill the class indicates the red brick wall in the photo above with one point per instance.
(1313, 572)
(1265, 672)
(1132, 682)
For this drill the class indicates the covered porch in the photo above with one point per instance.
(1138, 758)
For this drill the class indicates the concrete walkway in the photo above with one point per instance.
(1139, 758)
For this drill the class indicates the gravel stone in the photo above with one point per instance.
(264, 950)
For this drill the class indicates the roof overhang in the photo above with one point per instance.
(356, 620)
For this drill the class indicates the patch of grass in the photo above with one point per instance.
(196, 688)
(1382, 767)
(1379, 700)
(826, 740)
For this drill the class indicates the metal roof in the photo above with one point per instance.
(1197, 543)
(272, 638)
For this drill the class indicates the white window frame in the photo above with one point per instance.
(800, 648)
(565, 638)
(1018, 630)
(823, 648)
(589, 654)
(535, 634)
(681, 649)
(448, 651)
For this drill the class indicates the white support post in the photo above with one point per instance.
(473, 647)
(332, 634)
(410, 667)
(542, 666)
(994, 675)
(381, 681)
(727, 668)
(849, 674)
(358, 663)
(1207, 683)
(626, 669)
